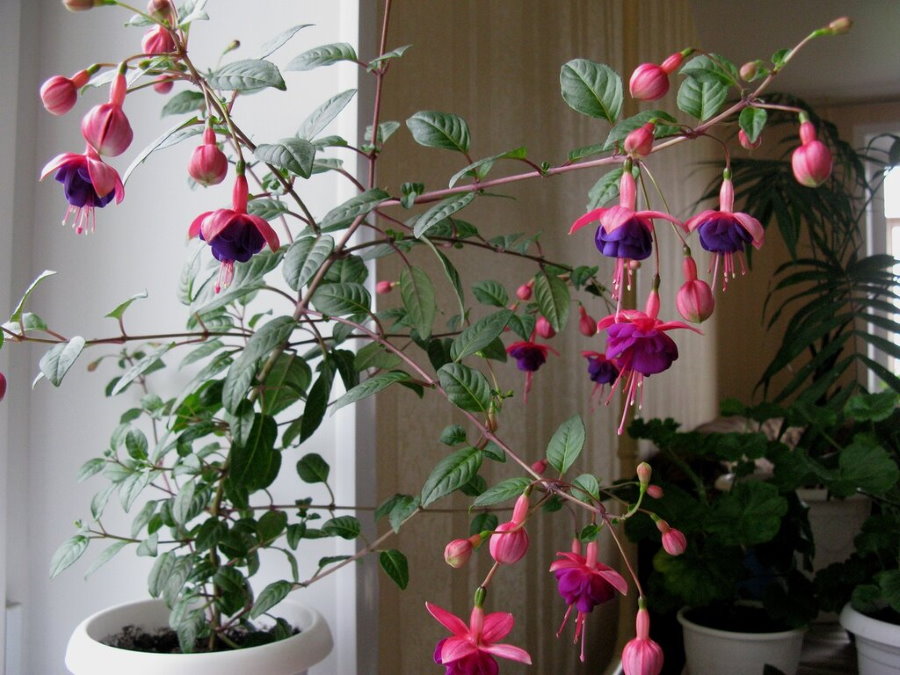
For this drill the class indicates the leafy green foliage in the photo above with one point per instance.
(592, 89)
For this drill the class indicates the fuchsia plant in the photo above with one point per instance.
(267, 382)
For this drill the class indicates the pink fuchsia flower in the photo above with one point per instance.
(539, 467)
(624, 234)
(523, 292)
(458, 551)
(385, 287)
(509, 543)
(59, 94)
(642, 656)
(158, 40)
(470, 650)
(584, 583)
(82, 5)
(88, 183)
(811, 162)
(105, 127)
(544, 328)
(746, 143)
(2, 386)
(587, 325)
(208, 164)
(233, 234)
(529, 357)
(639, 143)
(163, 84)
(695, 298)
(725, 233)
(673, 541)
(650, 81)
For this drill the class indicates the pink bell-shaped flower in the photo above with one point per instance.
(642, 656)
(811, 162)
(158, 40)
(650, 81)
(509, 543)
(673, 541)
(695, 298)
(587, 325)
(639, 143)
(208, 165)
(523, 292)
(105, 127)
(59, 94)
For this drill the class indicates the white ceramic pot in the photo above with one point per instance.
(877, 642)
(86, 655)
(710, 651)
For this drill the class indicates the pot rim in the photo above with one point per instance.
(752, 637)
(868, 627)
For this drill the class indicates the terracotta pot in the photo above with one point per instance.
(86, 655)
(877, 642)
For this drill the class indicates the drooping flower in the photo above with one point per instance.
(624, 234)
(59, 94)
(638, 343)
(584, 583)
(208, 164)
(694, 299)
(587, 325)
(725, 233)
(639, 143)
(544, 328)
(650, 81)
(600, 370)
(642, 656)
(529, 357)
(105, 127)
(88, 182)
(233, 234)
(673, 541)
(458, 551)
(470, 650)
(811, 162)
(509, 543)
(157, 40)
(2, 386)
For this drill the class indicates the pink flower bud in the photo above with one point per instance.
(644, 472)
(749, 71)
(639, 142)
(81, 5)
(208, 164)
(655, 491)
(158, 40)
(384, 287)
(673, 61)
(162, 84)
(673, 541)
(695, 301)
(162, 10)
(105, 127)
(523, 292)
(509, 543)
(642, 656)
(59, 94)
(648, 82)
(2, 386)
(587, 325)
(457, 552)
(539, 467)
(840, 26)
(543, 328)
(811, 163)
(520, 510)
(746, 143)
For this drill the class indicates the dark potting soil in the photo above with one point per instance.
(165, 640)
(740, 619)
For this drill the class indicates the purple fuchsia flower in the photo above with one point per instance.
(601, 370)
(233, 234)
(584, 583)
(470, 650)
(529, 357)
(638, 343)
(88, 182)
(725, 233)
(624, 234)
(105, 127)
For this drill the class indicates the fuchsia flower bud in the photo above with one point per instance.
(509, 543)
(2, 386)
(695, 298)
(840, 26)
(539, 467)
(458, 551)
(673, 541)
(749, 71)
(587, 325)
(639, 142)
(746, 143)
(208, 164)
(543, 328)
(384, 287)
(642, 656)
(811, 162)
(158, 40)
(59, 94)
(82, 5)
(644, 472)
(523, 292)
(105, 127)
(655, 491)
(650, 81)
(162, 10)
(162, 84)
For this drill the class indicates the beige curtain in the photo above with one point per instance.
(496, 63)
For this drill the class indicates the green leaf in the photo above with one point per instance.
(552, 296)
(71, 550)
(753, 121)
(392, 54)
(324, 55)
(491, 292)
(182, 505)
(272, 45)
(184, 102)
(439, 130)
(108, 554)
(270, 526)
(701, 96)
(618, 133)
(345, 527)
(749, 514)
(374, 355)
(466, 388)
(16, 315)
(266, 208)
(342, 299)
(120, 309)
(586, 485)
(452, 275)
(417, 293)
(592, 89)
(319, 118)
(247, 76)
(451, 435)
(506, 489)
(480, 168)
(270, 596)
(394, 563)
(285, 384)
(441, 211)
(483, 521)
(451, 473)
(346, 213)
(864, 466)
(304, 258)
(480, 334)
(566, 444)
(872, 407)
(370, 387)
(295, 155)
(56, 363)
(312, 468)
(160, 571)
(316, 404)
(151, 361)
(255, 464)
(90, 468)
(181, 131)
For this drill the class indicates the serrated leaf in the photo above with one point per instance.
(369, 388)
(502, 491)
(566, 444)
(466, 388)
(552, 296)
(324, 55)
(295, 155)
(346, 213)
(319, 118)
(441, 211)
(312, 468)
(480, 334)
(247, 76)
(270, 596)
(701, 96)
(342, 299)
(592, 89)
(417, 293)
(183, 102)
(304, 258)
(451, 473)
(56, 363)
(435, 129)
(752, 121)
(71, 550)
(395, 565)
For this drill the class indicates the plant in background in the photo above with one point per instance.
(277, 312)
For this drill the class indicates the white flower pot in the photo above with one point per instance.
(86, 655)
(710, 651)
(877, 642)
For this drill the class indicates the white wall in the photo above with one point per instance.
(138, 245)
